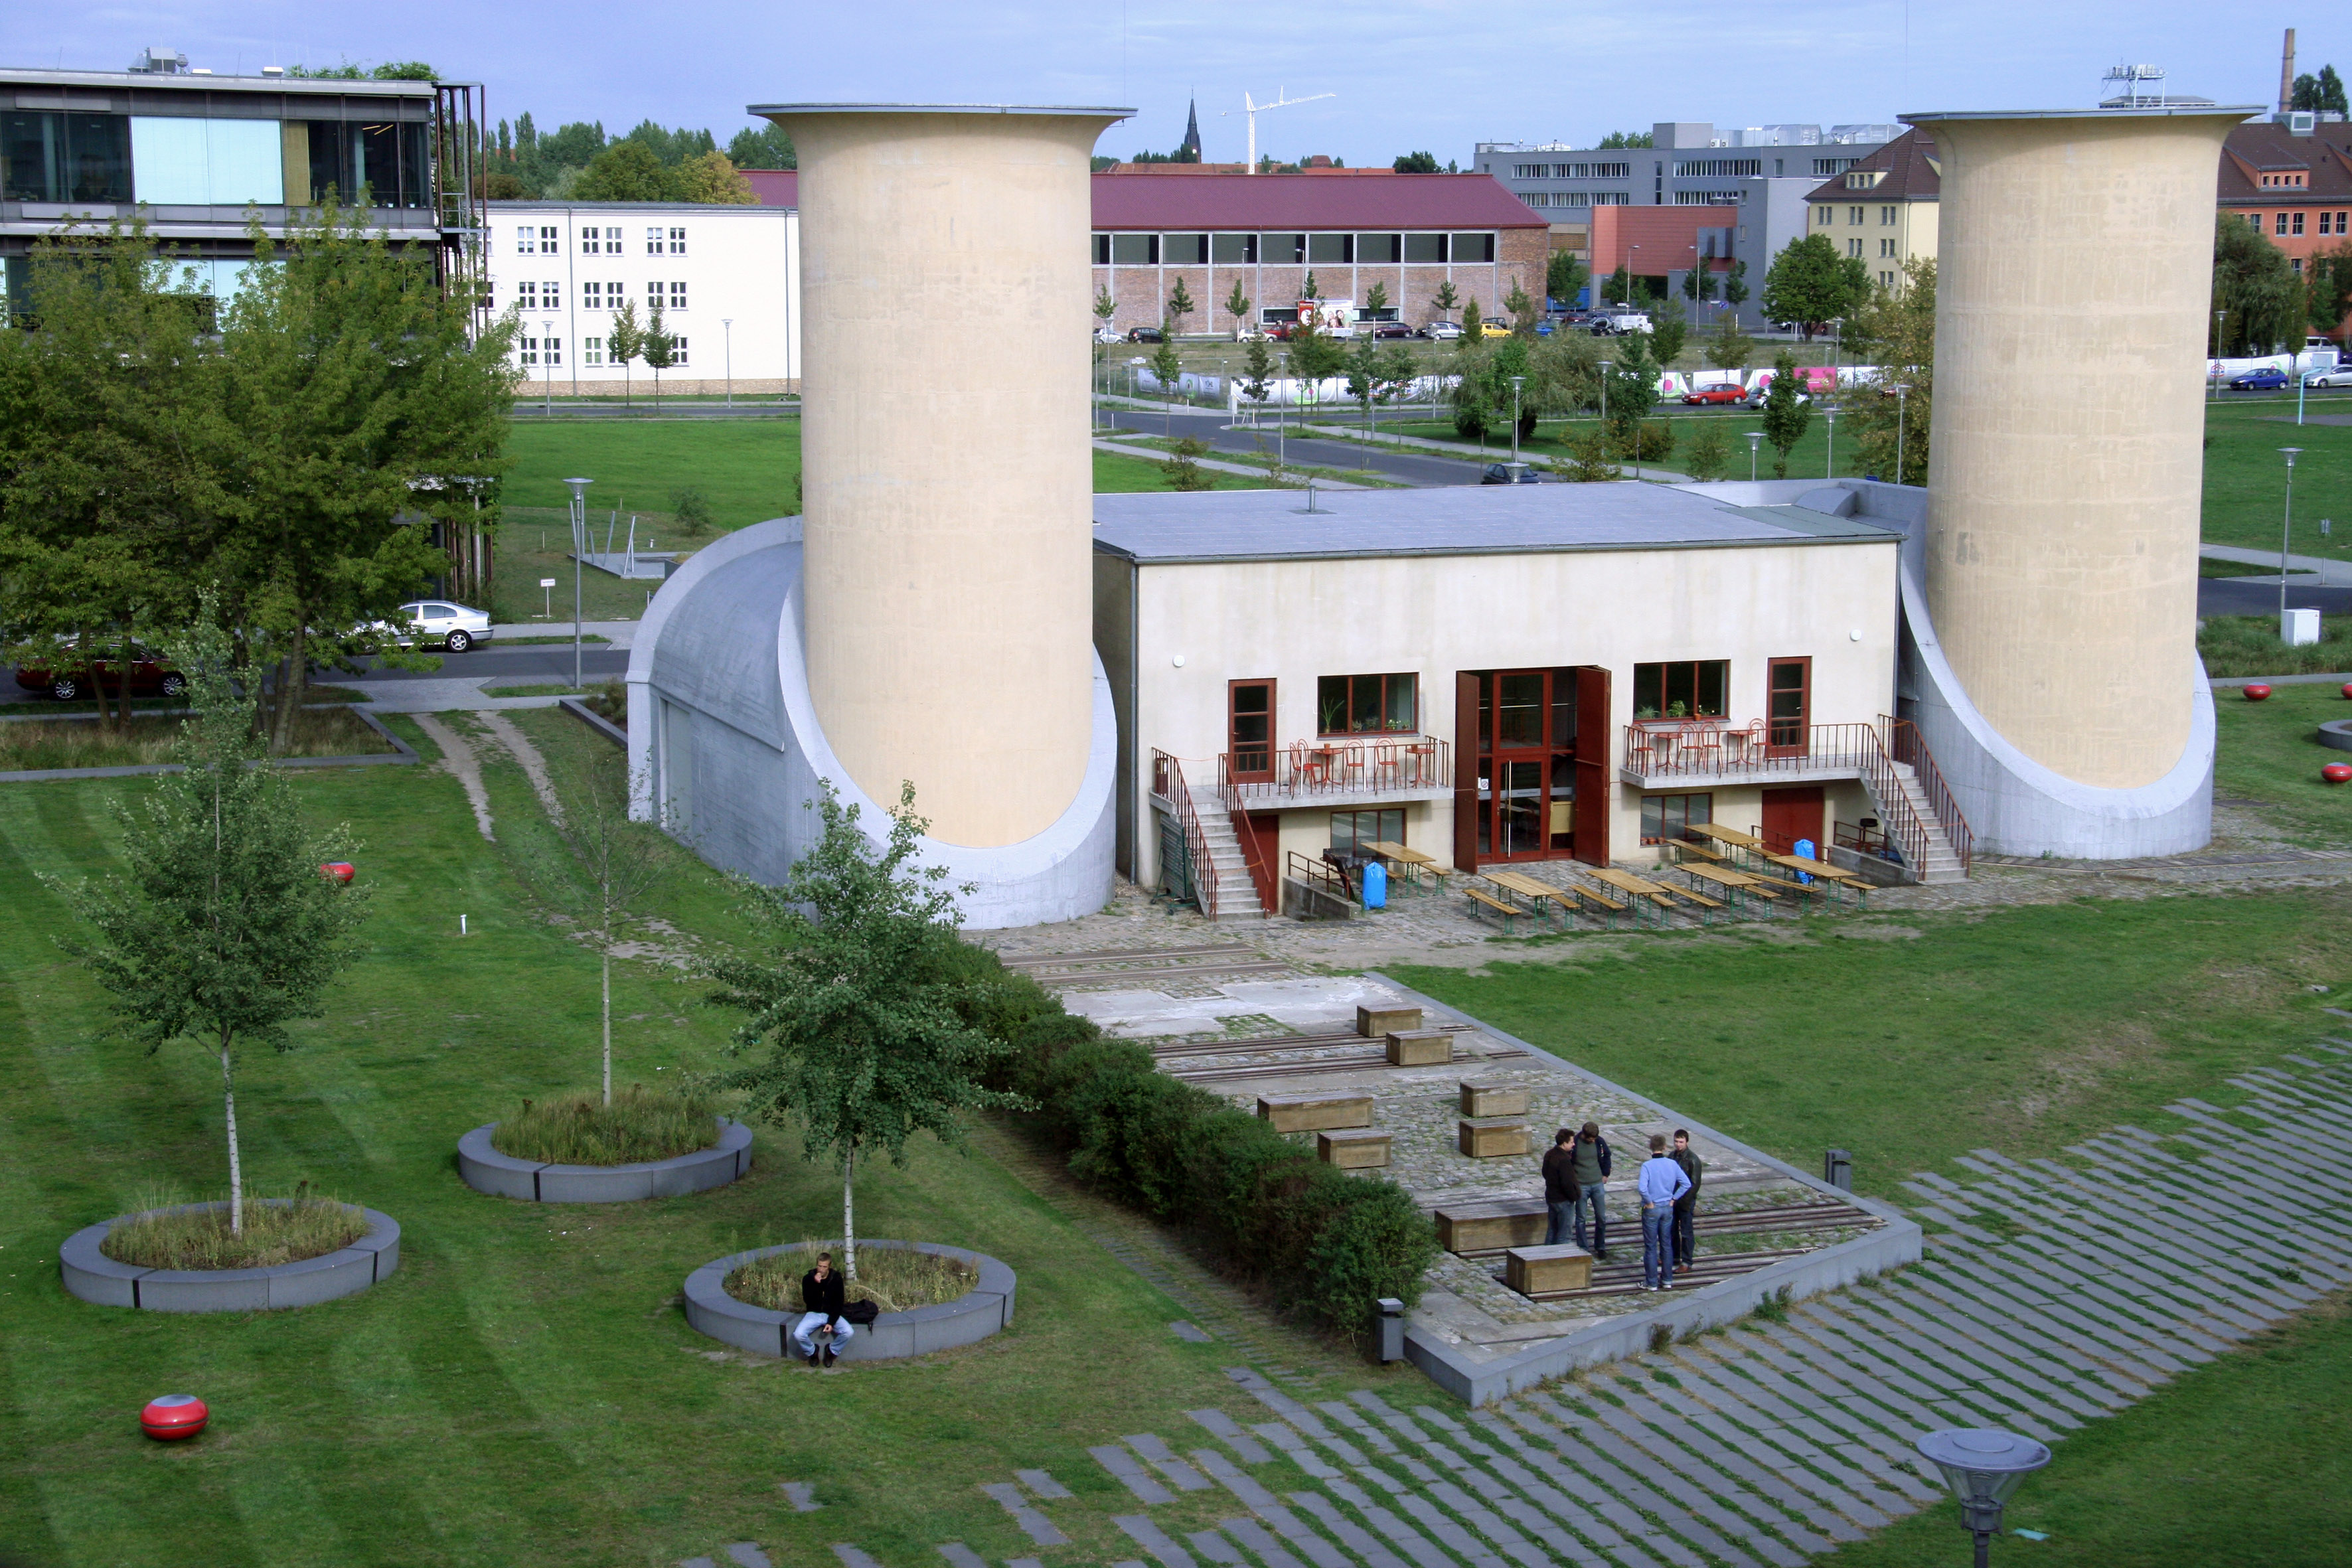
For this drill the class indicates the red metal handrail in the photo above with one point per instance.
(1254, 855)
(1909, 746)
(1168, 783)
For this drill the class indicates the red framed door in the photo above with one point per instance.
(1249, 731)
(1788, 706)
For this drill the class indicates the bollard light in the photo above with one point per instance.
(1984, 1468)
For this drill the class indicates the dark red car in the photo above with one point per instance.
(69, 676)
(1727, 392)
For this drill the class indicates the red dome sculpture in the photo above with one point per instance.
(177, 1416)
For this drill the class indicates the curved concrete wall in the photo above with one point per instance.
(946, 474)
(2067, 470)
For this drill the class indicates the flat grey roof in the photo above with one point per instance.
(1455, 519)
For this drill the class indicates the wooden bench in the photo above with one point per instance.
(1489, 902)
(1484, 1100)
(1493, 1226)
(1314, 1112)
(1419, 1048)
(1372, 1023)
(1354, 1149)
(1499, 1138)
(1547, 1270)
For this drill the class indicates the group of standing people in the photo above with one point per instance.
(1576, 1175)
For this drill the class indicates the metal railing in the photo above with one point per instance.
(1168, 784)
(1335, 765)
(1904, 739)
(1255, 855)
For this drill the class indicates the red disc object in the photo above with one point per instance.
(2256, 692)
(2338, 773)
(343, 871)
(177, 1416)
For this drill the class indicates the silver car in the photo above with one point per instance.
(438, 621)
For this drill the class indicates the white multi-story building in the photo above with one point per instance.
(726, 279)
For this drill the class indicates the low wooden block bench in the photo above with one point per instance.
(1490, 902)
(1314, 1112)
(1493, 1226)
(1547, 1270)
(1496, 1139)
(1372, 1023)
(1484, 1100)
(1419, 1048)
(1361, 1149)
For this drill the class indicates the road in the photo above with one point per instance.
(1209, 425)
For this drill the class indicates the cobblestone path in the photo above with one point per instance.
(2055, 1293)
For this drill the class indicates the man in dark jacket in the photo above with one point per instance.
(1686, 1205)
(1590, 1167)
(823, 1298)
(1559, 1186)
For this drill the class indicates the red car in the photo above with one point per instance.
(70, 676)
(1727, 392)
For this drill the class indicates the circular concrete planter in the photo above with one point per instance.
(486, 1171)
(2337, 732)
(90, 1274)
(973, 1315)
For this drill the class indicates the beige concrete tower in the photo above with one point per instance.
(2065, 480)
(947, 481)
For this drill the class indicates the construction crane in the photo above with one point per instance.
(1251, 110)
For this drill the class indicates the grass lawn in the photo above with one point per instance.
(524, 1390)
(2246, 477)
(1910, 1038)
(2270, 753)
(2247, 1461)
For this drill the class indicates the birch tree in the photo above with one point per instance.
(854, 1001)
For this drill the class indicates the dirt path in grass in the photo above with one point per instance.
(534, 764)
(459, 761)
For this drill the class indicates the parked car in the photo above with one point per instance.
(1729, 391)
(68, 676)
(436, 621)
(1501, 474)
(2268, 378)
(1441, 331)
(1146, 335)
(2336, 375)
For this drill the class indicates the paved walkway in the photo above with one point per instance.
(2052, 1298)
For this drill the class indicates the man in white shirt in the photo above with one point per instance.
(1661, 1182)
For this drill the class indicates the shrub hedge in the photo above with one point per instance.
(1323, 1244)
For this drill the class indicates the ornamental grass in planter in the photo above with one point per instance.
(641, 1124)
(173, 1236)
(895, 1281)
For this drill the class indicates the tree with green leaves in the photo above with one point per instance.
(1237, 306)
(349, 379)
(1474, 326)
(1785, 417)
(624, 340)
(1522, 310)
(855, 1001)
(1896, 331)
(1810, 284)
(1564, 276)
(1735, 286)
(222, 928)
(1180, 305)
(658, 345)
(1446, 300)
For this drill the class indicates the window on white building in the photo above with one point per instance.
(592, 350)
(677, 242)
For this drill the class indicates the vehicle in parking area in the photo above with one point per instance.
(1509, 474)
(2264, 378)
(1146, 335)
(431, 621)
(1441, 331)
(68, 676)
(1729, 391)
(2330, 375)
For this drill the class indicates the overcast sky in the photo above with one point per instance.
(1406, 74)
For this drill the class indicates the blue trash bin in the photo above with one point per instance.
(1376, 886)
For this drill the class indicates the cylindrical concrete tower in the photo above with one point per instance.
(947, 481)
(2066, 475)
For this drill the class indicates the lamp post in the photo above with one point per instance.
(2286, 529)
(1755, 440)
(728, 326)
(1516, 382)
(1984, 1469)
(1902, 393)
(579, 547)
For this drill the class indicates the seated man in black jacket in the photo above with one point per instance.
(824, 1296)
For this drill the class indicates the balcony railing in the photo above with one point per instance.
(1339, 766)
